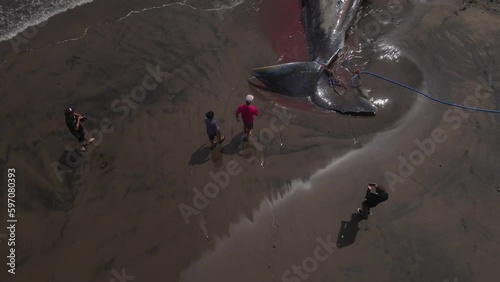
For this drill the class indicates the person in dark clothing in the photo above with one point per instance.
(375, 195)
(74, 123)
(213, 130)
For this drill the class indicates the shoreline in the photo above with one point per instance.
(39, 22)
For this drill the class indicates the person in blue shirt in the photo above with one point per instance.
(213, 130)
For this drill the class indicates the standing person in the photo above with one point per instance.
(374, 195)
(74, 123)
(248, 111)
(213, 130)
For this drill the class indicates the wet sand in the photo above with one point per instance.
(120, 208)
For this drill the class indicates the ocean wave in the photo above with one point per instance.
(18, 15)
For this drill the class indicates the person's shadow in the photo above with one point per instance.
(348, 231)
(200, 156)
(234, 145)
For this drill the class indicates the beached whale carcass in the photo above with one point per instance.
(325, 23)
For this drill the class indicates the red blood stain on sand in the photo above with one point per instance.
(281, 25)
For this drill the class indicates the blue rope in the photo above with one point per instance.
(422, 93)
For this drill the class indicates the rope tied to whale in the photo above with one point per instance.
(332, 79)
(357, 74)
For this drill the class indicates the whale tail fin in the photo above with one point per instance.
(297, 79)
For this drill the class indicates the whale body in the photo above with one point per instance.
(325, 23)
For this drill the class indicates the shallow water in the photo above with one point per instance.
(17, 15)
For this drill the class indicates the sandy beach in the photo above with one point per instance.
(146, 72)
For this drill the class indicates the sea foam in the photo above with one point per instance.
(18, 15)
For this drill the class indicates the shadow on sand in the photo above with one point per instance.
(348, 231)
(204, 153)
(200, 156)
(234, 146)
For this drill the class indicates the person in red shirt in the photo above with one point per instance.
(248, 111)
